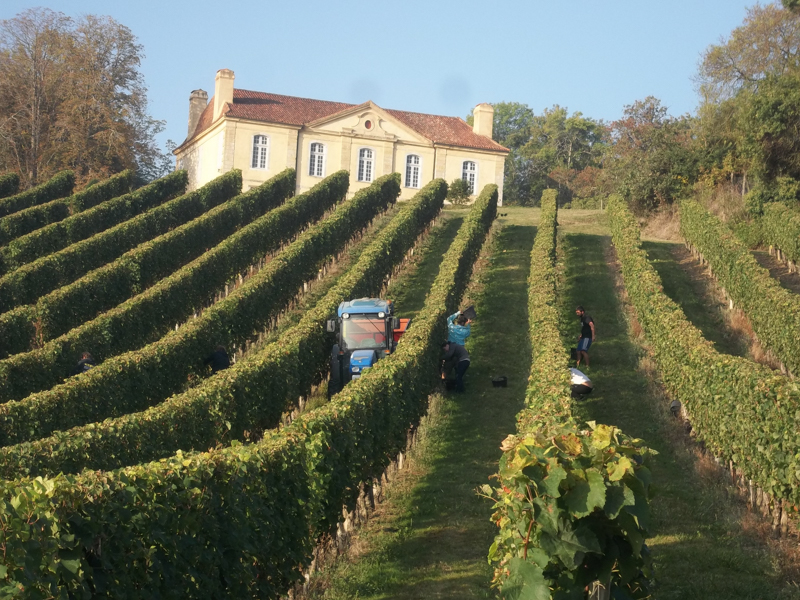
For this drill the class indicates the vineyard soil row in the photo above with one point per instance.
(704, 545)
(430, 536)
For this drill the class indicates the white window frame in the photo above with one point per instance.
(471, 177)
(367, 174)
(319, 166)
(263, 155)
(413, 170)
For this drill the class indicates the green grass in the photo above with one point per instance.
(409, 289)
(687, 286)
(430, 537)
(432, 534)
(700, 548)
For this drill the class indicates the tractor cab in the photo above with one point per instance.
(367, 331)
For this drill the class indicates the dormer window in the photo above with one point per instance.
(469, 173)
(316, 165)
(412, 171)
(365, 165)
(260, 152)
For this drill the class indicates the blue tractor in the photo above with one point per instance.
(367, 331)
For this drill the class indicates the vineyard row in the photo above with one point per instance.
(250, 514)
(57, 236)
(138, 269)
(249, 396)
(741, 410)
(29, 282)
(770, 308)
(31, 219)
(58, 186)
(572, 505)
(9, 184)
(139, 379)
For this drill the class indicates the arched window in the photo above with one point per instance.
(412, 170)
(316, 166)
(365, 160)
(469, 173)
(260, 152)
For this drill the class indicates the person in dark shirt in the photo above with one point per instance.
(455, 355)
(84, 364)
(218, 360)
(587, 336)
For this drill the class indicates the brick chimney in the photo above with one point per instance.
(483, 119)
(198, 100)
(223, 91)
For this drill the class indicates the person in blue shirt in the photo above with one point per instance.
(458, 329)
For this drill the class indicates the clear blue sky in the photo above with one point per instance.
(433, 56)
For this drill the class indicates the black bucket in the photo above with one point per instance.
(500, 381)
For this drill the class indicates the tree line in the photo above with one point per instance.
(72, 97)
(744, 139)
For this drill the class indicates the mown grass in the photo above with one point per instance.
(431, 535)
(686, 283)
(409, 289)
(702, 545)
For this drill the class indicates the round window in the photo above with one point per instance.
(368, 124)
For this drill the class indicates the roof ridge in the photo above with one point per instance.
(298, 111)
(293, 97)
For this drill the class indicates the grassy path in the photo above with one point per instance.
(687, 283)
(432, 533)
(702, 546)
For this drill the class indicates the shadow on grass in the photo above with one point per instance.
(409, 291)
(436, 542)
(683, 280)
(699, 546)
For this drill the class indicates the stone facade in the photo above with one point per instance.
(262, 134)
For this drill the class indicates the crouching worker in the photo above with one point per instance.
(581, 384)
(455, 355)
(218, 359)
(84, 364)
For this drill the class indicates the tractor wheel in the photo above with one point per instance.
(335, 377)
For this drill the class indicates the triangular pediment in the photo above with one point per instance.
(368, 120)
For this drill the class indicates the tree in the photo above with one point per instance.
(511, 128)
(767, 43)
(32, 73)
(458, 192)
(560, 146)
(543, 149)
(72, 96)
(653, 159)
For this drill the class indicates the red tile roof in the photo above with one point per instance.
(446, 130)
(290, 110)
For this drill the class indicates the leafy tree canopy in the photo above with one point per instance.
(72, 97)
(653, 159)
(547, 150)
(767, 43)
